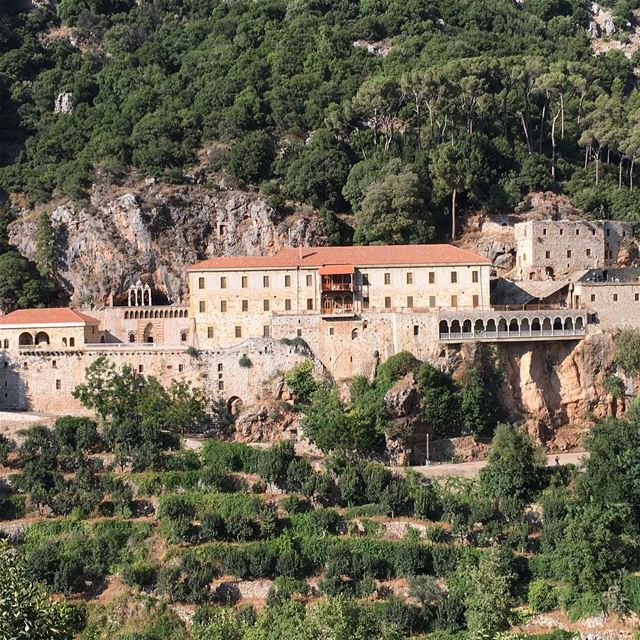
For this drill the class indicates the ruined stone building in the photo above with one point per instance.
(553, 248)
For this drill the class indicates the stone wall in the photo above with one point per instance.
(44, 381)
(615, 305)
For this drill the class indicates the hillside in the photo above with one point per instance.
(393, 112)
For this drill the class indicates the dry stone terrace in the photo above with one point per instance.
(512, 325)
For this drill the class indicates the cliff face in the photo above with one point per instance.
(559, 385)
(156, 231)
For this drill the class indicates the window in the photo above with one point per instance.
(287, 281)
(365, 302)
(54, 364)
(266, 331)
(608, 232)
(577, 232)
(547, 254)
(544, 232)
(387, 303)
(454, 277)
(636, 297)
(140, 368)
(454, 301)
(265, 305)
(180, 368)
(309, 304)
(331, 331)
(200, 283)
(432, 301)
(476, 301)
(416, 330)
(265, 281)
(615, 297)
(58, 384)
(223, 306)
(202, 307)
(387, 278)
(72, 342)
(245, 282)
(409, 301)
(238, 332)
(593, 297)
(593, 232)
(210, 332)
(432, 277)
(299, 333)
(561, 232)
(409, 277)
(568, 253)
(245, 305)
(223, 282)
(588, 252)
(6, 344)
(220, 385)
(220, 368)
(365, 279)
(354, 334)
(287, 304)
(475, 277)
(309, 280)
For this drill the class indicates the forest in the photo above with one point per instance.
(232, 542)
(406, 114)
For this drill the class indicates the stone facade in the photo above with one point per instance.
(44, 380)
(546, 249)
(611, 295)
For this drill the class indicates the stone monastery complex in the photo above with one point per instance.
(345, 307)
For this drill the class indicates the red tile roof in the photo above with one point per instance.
(365, 256)
(59, 315)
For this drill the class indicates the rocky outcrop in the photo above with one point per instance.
(156, 230)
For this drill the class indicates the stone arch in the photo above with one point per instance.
(502, 324)
(42, 337)
(466, 326)
(491, 325)
(513, 325)
(186, 313)
(478, 326)
(126, 315)
(102, 339)
(183, 335)
(25, 339)
(443, 327)
(546, 324)
(149, 333)
(568, 324)
(455, 326)
(580, 323)
(354, 333)
(524, 325)
(234, 405)
(132, 336)
(64, 342)
(557, 324)
(72, 342)
(535, 325)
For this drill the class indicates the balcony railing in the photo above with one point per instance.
(525, 334)
(327, 287)
(343, 311)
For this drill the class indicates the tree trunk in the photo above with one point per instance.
(418, 123)
(631, 174)
(553, 145)
(542, 117)
(453, 214)
(620, 173)
(587, 152)
(526, 132)
(597, 159)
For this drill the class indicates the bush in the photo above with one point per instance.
(245, 362)
(301, 382)
(631, 590)
(212, 527)
(139, 574)
(542, 596)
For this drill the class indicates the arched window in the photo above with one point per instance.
(64, 342)
(126, 315)
(42, 338)
(491, 325)
(5, 344)
(478, 326)
(183, 335)
(466, 326)
(132, 336)
(354, 334)
(443, 328)
(72, 342)
(25, 339)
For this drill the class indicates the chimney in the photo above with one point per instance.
(300, 256)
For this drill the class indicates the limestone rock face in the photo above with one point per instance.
(155, 230)
(63, 103)
(402, 399)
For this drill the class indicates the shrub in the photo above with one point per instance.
(627, 350)
(5, 448)
(301, 382)
(293, 504)
(175, 507)
(631, 589)
(426, 503)
(139, 574)
(245, 362)
(212, 527)
(240, 528)
(542, 596)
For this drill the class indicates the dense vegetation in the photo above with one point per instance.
(183, 527)
(471, 105)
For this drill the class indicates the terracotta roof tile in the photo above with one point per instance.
(59, 315)
(364, 256)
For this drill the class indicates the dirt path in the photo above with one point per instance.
(472, 469)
